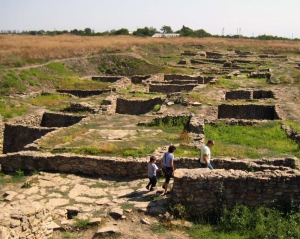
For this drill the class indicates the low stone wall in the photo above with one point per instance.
(170, 88)
(84, 93)
(182, 77)
(238, 94)
(113, 166)
(247, 112)
(1, 134)
(248, 94)
(71, 163)
(244, 164)
(139, 79)
(16, 137)
(262, 94)
(206, 190)
(51, 119)
(25, 219)
(136, 107)
(110, 79)
(30, 120)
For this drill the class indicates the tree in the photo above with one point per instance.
(122, 31)
(166, 29)
(144, 32)
(75, 32)
(186, 32)
(88, 31)
(202, 33)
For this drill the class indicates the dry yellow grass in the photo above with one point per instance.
(64, 46)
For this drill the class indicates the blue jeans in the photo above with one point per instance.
(204, 165)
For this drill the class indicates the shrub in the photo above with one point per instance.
(156, 108)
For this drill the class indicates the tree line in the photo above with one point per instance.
(146, 32)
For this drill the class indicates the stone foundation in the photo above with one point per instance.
(84, 93)
(25, 219)
(171, 88)
(16, 137)
(110, 79)
(59, 120)
(247, 112)
(1, 134)
(139, 79)
(120, 167)
(248, 94)
(206, 190)
(136, 107)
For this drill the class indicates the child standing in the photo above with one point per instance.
(152, 169)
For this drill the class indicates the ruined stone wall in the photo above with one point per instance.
(71, 163)
(24, 219)
(110, 79)
(248, 95)
(262, 94)
(51, 119)
(113, 166)
(139, 79)
(136, 107)
(244, 164)
(16, 137)
(84, 93)
(247, 112)
(205, 189)
(170, 88)
(1, 134)
(183, 77)
(238, 94)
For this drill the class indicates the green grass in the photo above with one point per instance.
(51, 102)
(58, 68)
(8, 110)
(294, 124)
(265, 139)
(228, 83)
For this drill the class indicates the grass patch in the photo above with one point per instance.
(127, 206)
(294, 124)
(262, 140)
(82, 224)
(8, 110)
(51, 101)
(229, 84)
(71, 235)
(58, 68)
(73, 83)
(99, 185)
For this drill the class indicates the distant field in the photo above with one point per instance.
(34, 49)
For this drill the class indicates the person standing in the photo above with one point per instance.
(167, 163)
(205, 154)
(152, 169)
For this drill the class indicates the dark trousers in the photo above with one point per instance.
(152, 181)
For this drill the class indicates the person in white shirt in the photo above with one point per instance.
(152, 169)
(205, 154)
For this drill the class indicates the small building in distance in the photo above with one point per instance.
(166, 35)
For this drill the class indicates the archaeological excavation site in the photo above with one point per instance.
(77, 149)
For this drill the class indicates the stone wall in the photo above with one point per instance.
(136, 107)
(182, 78)
(247, 112)
(139, 79)
(25, 219)
(71, 163)
(170, 88)
(110, 79)
(248, 94)
(16, 137)
(84, 93)
(262, 94)
(244, 164)
(121, 167)
(51, 119)
(1, 134)
(238, 94)
(208, 190)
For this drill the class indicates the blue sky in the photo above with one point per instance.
(254, 17)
